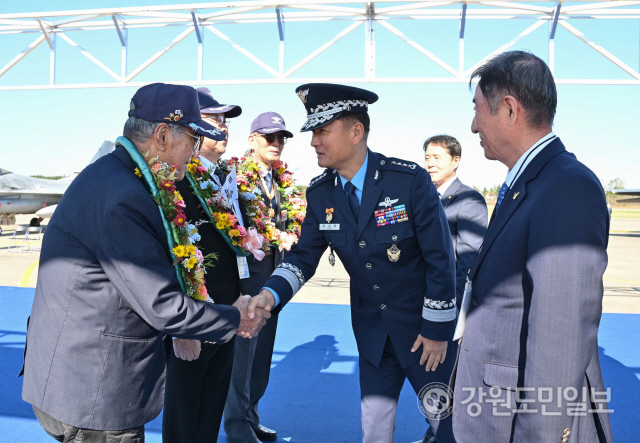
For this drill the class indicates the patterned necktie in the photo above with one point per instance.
(439, 195)
(353, 199)
(501, 194)
(268, 181)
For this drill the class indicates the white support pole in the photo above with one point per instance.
(503, 48)
(281, 35)
(553, 25)
(239, 48)
(45, 31)
(622, 65)
(52, 59)
(200, 36)
(370, 43)
(463, 23)
(123, 35)
(159, 54)
(420, 49)
(22, 55)
(87, 54)
(322, 48)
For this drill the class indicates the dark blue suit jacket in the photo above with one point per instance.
(106, 295)
(467, 215)
(416, 294)
(536, 307)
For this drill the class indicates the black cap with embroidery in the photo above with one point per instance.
(325, 102)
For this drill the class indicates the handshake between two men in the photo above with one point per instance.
(254, 313)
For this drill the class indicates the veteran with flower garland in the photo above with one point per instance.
(275, 212)
(383, 218)
(120, 268)
(198, 373)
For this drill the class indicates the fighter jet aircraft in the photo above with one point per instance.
(20, 194)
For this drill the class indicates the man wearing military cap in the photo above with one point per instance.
(198, 373)
(108, 291)
(383, 218)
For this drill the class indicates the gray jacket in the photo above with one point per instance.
(106, 295)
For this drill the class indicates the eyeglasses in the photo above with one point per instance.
(217, 118)
(196, 145)
(271, 138)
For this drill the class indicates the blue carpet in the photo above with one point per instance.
(313, 395)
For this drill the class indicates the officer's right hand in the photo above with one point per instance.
(433, 352)
(249, 327)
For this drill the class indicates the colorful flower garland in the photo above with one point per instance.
(292, 205)
(182, 237)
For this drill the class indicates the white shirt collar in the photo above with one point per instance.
(207, 163)
(443, 188)
(527, 157)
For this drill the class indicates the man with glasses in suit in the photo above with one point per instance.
(252, 360)
(199, 373)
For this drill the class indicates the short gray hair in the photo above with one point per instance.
(142, 130)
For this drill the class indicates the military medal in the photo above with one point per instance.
(272, 213)
(332, 258)
(393, 253)
(329, 214)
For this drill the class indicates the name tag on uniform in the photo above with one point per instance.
(329, 226)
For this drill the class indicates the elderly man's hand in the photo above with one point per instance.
(250, 326)
(186, 349)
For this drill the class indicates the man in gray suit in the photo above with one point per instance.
(528, 368)
(107, 291)
(465, 207)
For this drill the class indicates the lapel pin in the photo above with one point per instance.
(515, 195)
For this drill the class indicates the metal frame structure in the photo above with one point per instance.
(211, 18)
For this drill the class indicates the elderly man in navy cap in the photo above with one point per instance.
(198, 373)
(252, 360)
(107, 290)
(383, 218)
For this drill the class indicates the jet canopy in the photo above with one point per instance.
(4, 172)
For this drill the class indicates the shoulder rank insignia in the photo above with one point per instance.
(404, 165)
(317, 179)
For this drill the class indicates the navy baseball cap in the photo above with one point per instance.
(177, 104)
(325, 102)
(268, 123)
(209, 105)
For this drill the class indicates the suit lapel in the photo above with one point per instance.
(370, 193)
(339, 200)
(514, 197)
(451, 192)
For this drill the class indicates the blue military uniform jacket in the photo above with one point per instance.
(413, 295)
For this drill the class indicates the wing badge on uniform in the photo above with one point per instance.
(387, 202)
(393, 253)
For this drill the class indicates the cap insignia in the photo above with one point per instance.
(303, 95)
(175, 116)
(276, 120)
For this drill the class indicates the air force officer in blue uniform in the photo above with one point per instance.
(383, 218)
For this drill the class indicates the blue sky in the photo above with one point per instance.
(57, 131)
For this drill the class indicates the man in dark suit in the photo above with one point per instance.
(198, 373)
(465, 207)
(383, 218)
(528, 367)
(252, 361)
(107, 291)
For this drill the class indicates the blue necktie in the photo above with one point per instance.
(268, 181)
(501, 194)
(353, 199)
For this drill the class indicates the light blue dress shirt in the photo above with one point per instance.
(358, 179)
(358, 182)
